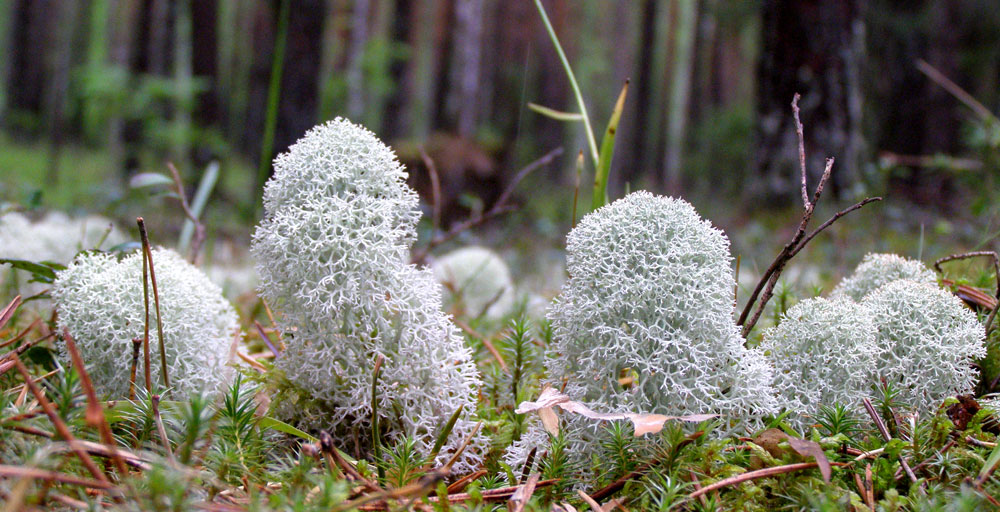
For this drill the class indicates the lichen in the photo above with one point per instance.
(824, 352)
(931, 340)
(332, 253)
(649, 299)
(100, 302)
(876, 270)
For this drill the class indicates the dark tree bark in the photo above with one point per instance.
(299, 103)
(809, 47)
(204, 60)
(31, 27)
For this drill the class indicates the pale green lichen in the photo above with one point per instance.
(876, 270)
(824, 352)
(332, 253)
(100, 302)
(931, 341)
(650, 298)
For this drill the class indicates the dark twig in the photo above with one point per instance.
(435, 191)
(136, 345)
(155, 401)
(145, 301)
(888, 437)
(156, 302)
(996, 271)
(765, 287)
(498, 208)
(199, 228)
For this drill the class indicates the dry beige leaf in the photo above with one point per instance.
(642, 423)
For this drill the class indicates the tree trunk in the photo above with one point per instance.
(809, 47)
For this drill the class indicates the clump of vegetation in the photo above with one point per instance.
(477, 280)
(930, 338)
(102, 303)
(824, 352)
(645, 320)
(369, 351)
(876, 270)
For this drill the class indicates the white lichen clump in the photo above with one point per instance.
(100, 302)
(876, 270)
(477, 280)
(332, 254)
(649, 300)
(930, 340)
(55, 237)
(823, 352)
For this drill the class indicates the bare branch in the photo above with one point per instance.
(199, 228)
(435, 191)
(996, 271)
(802, 148)
(500, 207)
(831, 220)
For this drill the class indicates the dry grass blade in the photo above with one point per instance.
(95, 413)
(486, 343)
(956, 91)
(156, 302)
(145, 301)
(460, 484)
(752, 475)
(464, 445)
(595, 506)
(58, 423)
(42, 474)
(155, 400)
(520, 498)
(199, 228)
(21, 334)
(8, 311)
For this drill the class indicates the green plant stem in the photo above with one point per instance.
(572, 82)
(273, 95)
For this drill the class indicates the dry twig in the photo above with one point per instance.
(199, 228)
(58, 423)
(498, 208)
(800, 239)
(888, 437)
(996, 271)
(148, 252)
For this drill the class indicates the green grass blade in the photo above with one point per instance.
(445, 432)
(552, 113)
(607, 151)
(205, 187)
(572, 80)
(270, 423)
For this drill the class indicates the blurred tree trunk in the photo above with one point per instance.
(204, 64)
(355, 73)
(299, 104)
(684, 35)
(809, 47)
(31, 26)
(60, 60)
(465, 74)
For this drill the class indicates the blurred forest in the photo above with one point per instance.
(139, 82)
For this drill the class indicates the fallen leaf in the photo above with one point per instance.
(642, 423)
(808, 448)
